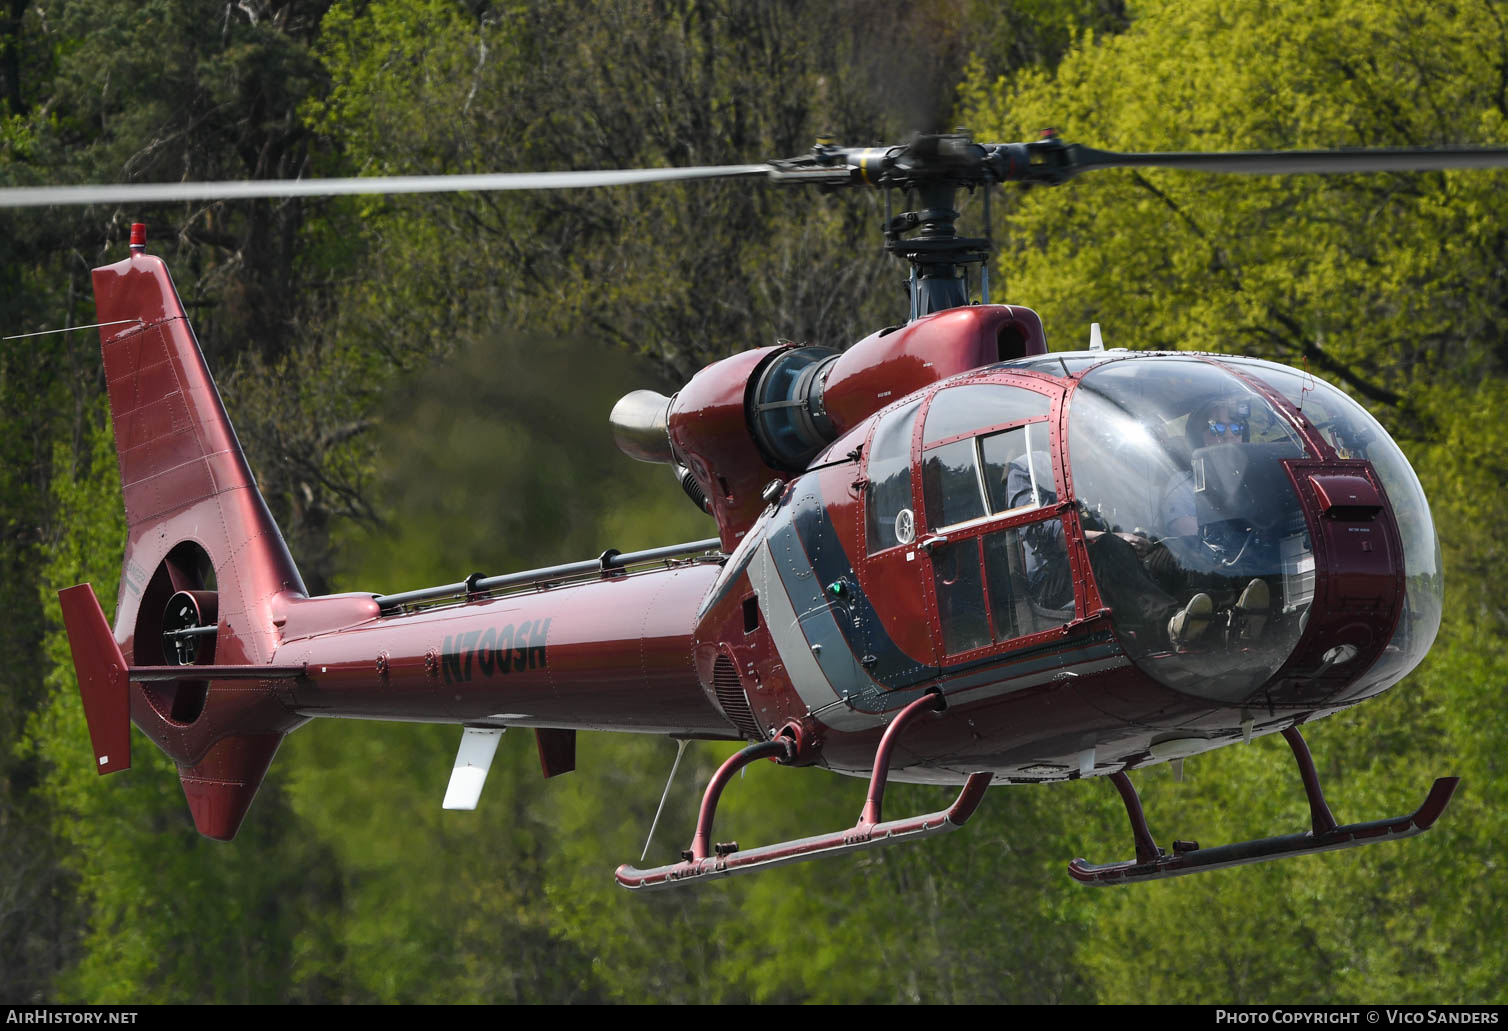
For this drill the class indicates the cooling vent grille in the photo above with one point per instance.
(731, 698)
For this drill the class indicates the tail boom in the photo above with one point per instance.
(613, 653)
(609, 654)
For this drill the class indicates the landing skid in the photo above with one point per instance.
(1325, 835)
(703, 860)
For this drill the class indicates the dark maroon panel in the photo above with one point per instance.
(888, 365)
(710, 430)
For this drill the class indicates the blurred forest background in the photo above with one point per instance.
(422, 387)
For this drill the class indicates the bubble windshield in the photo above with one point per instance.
(1351, 430)
(1196, 539)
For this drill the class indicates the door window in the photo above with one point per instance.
(987, 475)
(981, 406)
(999, 586)
(986, 454)
(889, 517)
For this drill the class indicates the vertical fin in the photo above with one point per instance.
(221, 786)
(182, 470)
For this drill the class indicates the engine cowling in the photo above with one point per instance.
(765, 414)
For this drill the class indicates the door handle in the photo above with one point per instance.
(929, 543)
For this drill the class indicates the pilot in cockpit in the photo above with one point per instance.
(1186, 575)
(1198, 539)
(1219, 422)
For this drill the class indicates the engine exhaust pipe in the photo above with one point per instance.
(639, 426)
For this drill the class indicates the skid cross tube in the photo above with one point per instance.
(872, 804)
(701, 845)
(702, 860)
(1325, 834)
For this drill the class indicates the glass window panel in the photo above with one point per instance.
(1178, 470)
(889, 475)
(981, 405)
(1354, 433)
(1057, 365)
(1013, 482)
(960, 596)
(1030, 581)
(950, 482)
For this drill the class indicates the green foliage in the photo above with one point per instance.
(105, 90)
(1368, 278)
(675, 272)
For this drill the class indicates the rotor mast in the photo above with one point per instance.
(930, 170)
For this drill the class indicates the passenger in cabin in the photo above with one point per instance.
(1137, 598)
(1048, 577)
(1224, 421)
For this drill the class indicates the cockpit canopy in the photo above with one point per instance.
(1177, 471)
(1177, 467)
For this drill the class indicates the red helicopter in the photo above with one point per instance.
(944, 554)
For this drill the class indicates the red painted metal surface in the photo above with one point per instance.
(709, 428)
(610, 654)
(220, 787)
(874, 802)
(1320, 816)
(892, 363)
(1345, 495)
(1359, 588)
(102, 678)
(701, 843)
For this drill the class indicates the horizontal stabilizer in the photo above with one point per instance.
(102, 677)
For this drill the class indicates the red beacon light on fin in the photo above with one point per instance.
(138, 237)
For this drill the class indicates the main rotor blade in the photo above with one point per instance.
(1296, 162)
(146, 193)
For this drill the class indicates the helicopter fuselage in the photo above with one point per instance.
(967, 530)
(813, 630)
(832, 619)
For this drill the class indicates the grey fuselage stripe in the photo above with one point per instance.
(833, 674)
